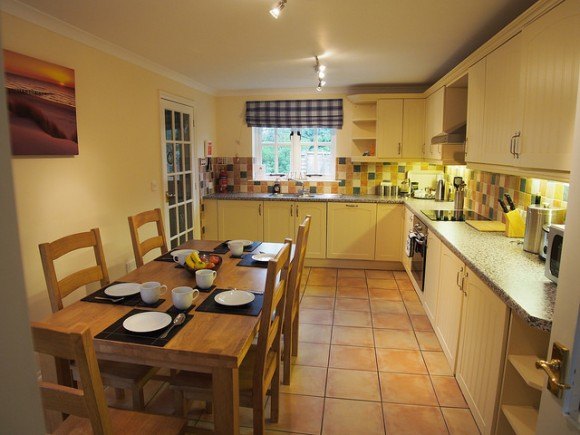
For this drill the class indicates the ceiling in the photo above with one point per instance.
(235, 45)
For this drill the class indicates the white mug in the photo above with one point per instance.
(237, 248)
(180, 255)
(183, 297)
(151, 291)
(204, 278)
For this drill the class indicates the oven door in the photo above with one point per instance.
(418, 260)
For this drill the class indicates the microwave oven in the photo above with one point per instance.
(554, 252)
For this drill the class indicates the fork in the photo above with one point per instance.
(102, 298)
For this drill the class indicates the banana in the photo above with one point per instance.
(190, 262)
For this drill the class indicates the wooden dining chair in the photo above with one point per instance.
(120, 376)
(140, 248)
(87, 407)
(259, 373)
(291, 315)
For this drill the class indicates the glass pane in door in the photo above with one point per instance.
(187, 157)
(171, 190)
(177, 126)
(178, 158)
(186, 122)
(169, 156)
(168, 126)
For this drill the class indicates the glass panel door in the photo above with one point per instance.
(181, 194)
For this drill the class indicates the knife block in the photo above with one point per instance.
(514, 226)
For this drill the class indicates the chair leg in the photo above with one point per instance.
(138, 399)
(258, 413)
(287, 355)
(295, 331)
(275, 396)
(208, 407)
(119, 393)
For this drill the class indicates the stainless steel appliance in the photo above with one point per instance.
(440, 190)
(536, 218)
(419, 251)
(544, 245)
(454, 215)
(554, 253)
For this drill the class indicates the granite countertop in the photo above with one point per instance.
(316, 197)
(517, 277)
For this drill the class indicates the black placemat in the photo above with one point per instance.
(128, 301)
(222, 248)
(168, 257)
(211, 306)
(206, 290)
(174, 311)
(248, 262)
(116, 332)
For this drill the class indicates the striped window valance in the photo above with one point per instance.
(295, 113)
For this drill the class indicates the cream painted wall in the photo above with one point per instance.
(119, 155)
(234, 138)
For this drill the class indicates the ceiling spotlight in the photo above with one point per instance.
(320, 73)
(319, 88)
(276, 10)
(321, 83)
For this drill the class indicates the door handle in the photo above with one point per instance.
(259, 209)
(556, 369)
(169, 196)
(291, 207)
(352, 205)
(399, 150)
(516, 137)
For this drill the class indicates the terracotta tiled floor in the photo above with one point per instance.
(369, 363)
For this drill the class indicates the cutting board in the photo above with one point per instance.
(486, 225)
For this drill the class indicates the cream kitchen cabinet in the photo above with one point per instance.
(240, 220)
(432, 272)
(389, 234)
(400, 125)
(351, 231)
(502, 112)
(209, 229)
(475, 112)
(407, 228)
(282, 218)
(449, 301)
(482, 349)
(550, 67)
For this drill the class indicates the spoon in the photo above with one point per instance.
(102, 298)
(179, 319)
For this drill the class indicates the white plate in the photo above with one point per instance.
(243, 242)
(123, 289)
(264, 258)
(147, 322)
(234, 298)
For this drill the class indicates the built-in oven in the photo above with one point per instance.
(418, 251)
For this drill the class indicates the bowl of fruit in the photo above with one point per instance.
(197, 261)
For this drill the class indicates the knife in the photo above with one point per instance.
(503, 206)
(510, 201)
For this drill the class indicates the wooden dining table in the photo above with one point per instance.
(213, 343)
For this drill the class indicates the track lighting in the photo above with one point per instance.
(276, 10)
(320, 73)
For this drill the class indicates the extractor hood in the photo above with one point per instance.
(457, 136)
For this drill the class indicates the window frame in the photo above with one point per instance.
(295, 154)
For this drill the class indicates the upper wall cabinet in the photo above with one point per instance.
(445, 111)
(400, 124)
(475, 110)
(502, 114)
(550, 72)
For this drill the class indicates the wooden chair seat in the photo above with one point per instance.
(126, 423)
(122, 375)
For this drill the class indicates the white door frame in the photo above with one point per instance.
(174, 99)
(560, 416)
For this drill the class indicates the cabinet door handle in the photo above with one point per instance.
(297, 210)
(466, 142)
(516, 141)
(460, 278)
(352, 205)
(259, 209)
(399, 150)
(291, 207)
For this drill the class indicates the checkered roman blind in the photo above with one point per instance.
(294, 113)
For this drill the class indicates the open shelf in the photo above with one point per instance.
(522, 419)
(525, 366)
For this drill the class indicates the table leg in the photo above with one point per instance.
(226, 400)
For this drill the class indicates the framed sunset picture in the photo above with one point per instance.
(41, 105)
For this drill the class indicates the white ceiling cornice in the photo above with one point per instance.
(30, 14)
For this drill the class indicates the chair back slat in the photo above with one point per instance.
(141, 248)
(293, 292)
(49, 252)
(272, 313)
(75, 344)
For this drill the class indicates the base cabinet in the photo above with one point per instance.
(482, 350)
(351, 231)
(240, 220)
(389, 236)
(449, 301)
(282, 219)
(209, 230)
(407, 228)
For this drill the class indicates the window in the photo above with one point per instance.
(297, 153)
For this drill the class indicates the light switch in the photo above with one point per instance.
(154, 186)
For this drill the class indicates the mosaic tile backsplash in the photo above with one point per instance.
(485, 188)
(352, 178)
